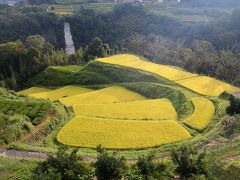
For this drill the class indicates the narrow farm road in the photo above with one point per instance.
(22, 154)
(30, 154)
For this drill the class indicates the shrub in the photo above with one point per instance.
(231, 125)
(234, 107)
(189, 163)
(109, 166)
(150, 169)
(63, 166)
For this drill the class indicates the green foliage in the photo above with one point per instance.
(231, 171)
(96, 48)
(13, 127)
(189, 162)
(149, 168)
(231, 125)
(234, 107)
(63, 166)
(93, 73)
(109, 166)
(20, 60)
(35, 110)
(13, 168)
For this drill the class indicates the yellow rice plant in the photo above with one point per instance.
(202, 115)
(120, 134)
(109, 95)
(157, 109)
(62, 92)
(169, 72)
(33, 90)
(201, 84)
(207, 86)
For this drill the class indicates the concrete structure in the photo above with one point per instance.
(70, 49)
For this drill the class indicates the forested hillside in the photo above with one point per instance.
(210, 48)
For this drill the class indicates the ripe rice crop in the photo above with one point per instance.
(201, 84)
(158, 109)
(33, 90)
(202, 115)
(62, 92)
(207, 86)
(169, 72)
(109, 95)
(120, 134)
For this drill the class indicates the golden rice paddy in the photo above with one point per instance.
(207, 86)
(158, 109)
(109, 95)
(201, 84)
(120, 134)
(33, 90)
(202, 115)
(61, 93)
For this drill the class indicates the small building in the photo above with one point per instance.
(169, 1)
(11, 2)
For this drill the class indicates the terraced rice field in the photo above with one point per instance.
(158, 109)
(33, 90)
(120, 134)
(203, 114)
(207, 85)
(201, 84)
(62, 92)
(109, 95)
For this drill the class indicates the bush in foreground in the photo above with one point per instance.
(190, 163)
(63, 166)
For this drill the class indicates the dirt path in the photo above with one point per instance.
(29, 154)
(22, 154)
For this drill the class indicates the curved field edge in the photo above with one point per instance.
(180, 101)
(120, 134)
(158, 109)
(107, 95)
(214, 87)
(203, 114)
(33, 90)
(63, 92)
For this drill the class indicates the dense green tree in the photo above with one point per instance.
(234, 107)
(63, 165)
(149, 168)
(189, 162)
(96, 48)
(231, 125)
(109, 166)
